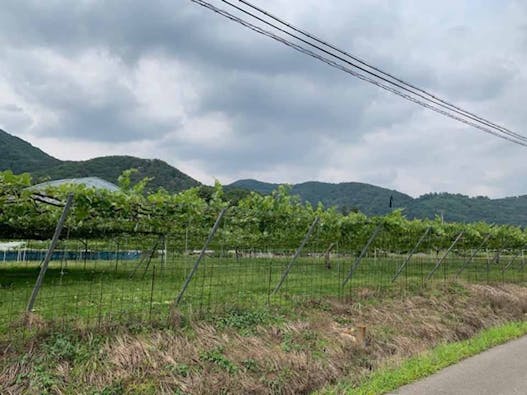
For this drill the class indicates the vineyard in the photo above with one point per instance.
(133, 257)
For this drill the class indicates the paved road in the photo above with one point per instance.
(500, 370)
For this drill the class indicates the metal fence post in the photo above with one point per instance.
(488, 270)
(200, 257)
(295, 257)
(443, 257)
(495, 259)
(513, 259)
(522, 265)
(474, 253)
(403, 266)
(270, 275)
(49, 254)
(145, 258)
(362, 253)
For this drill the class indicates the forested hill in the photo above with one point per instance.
(347, 196)
(19, 156)
(110, 168)
(461, 208)
(373, 200)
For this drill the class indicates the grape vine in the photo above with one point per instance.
(278, 220)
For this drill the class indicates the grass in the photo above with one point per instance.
(95, 292)
(390, 378)
(305, 347)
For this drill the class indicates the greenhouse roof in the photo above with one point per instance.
(94, 182)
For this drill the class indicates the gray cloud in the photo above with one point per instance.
(205, 91)
(13, 108)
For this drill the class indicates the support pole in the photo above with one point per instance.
(513, 259)
(327, 255)
(467, 262)
(165, 251)
(297, 254)
(145, 258)
(200, 257)
(151, 256)
(444, 257)
(494, 260)
(362, 253)
(49, 254)
(401, 268)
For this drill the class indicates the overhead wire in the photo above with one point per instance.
(520, 140)
(366, 64)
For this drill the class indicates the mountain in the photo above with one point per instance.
(369, 199)
(374, 200)
(20, 156)
(462, 208)
(109, 168)
(264, 188)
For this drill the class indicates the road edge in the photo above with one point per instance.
(392, 377)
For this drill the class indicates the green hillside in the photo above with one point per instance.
(462, 208)
(110, 168)
(20, 156)
(369, 199)
(374, 200)
(347, 196)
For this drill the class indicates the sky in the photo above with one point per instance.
(174, 81)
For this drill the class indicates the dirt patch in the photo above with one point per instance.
(317, 345)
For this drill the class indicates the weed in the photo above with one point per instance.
(307, 340)
(392, 377)
(216, 357)
(41, 379)
(277, 383)
(114, 389)
(60, 347)
(250, 365)
(288, 343)
(180, 369)
(245, 320)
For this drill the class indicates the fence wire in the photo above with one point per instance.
(135, 281)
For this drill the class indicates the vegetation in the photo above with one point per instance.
(240, 347)
(122, 292)
(346, 196)
(109, 168)
(279, 220)
(19, 156)
(390, 378)
(310, 346)
(460, 208)
(373, 200)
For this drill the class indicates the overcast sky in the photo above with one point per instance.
(172, 80)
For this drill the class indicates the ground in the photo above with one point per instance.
(296, 348)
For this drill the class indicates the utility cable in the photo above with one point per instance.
(364, 63)
(299, 48)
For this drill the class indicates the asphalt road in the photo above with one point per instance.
(500, 370)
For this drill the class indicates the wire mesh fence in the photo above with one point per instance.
(135, 280)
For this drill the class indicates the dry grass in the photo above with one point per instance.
(320, 345)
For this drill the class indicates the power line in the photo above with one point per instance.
(521, 140)
(406, 85)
